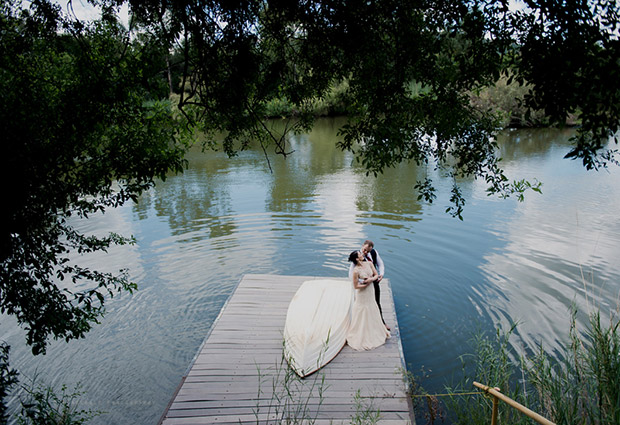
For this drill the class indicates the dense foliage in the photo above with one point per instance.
(83, 129)
(411, 70)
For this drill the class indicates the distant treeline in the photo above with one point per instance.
(506, 99)
(503, 98)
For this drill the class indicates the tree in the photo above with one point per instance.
(569, 52)
(411, 66)
(84, 129)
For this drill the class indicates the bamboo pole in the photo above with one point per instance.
(521, 408)
(494, 414)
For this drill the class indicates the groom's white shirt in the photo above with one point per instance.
(380, 265)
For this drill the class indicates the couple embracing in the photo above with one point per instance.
(368, 329)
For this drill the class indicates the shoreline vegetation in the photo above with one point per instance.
(577, 385)
(505, 97)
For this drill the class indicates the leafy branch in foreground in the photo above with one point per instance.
(8, 380)
(86, 126)
(411, 70)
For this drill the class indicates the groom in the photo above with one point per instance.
(371, 254)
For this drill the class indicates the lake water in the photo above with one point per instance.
(198, 233)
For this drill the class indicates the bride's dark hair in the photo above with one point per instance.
(353, 257)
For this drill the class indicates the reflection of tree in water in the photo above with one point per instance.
(295, 178)
(316, 159)
(391, 192)
(515, 145)
(195, 203)
(198, 202)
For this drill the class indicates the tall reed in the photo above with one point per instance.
(288, 397)
(494, 363)
(583, 388)
(285, 398)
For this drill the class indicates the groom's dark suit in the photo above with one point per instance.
(376, 260)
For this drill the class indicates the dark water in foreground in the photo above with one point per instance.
(198, 233)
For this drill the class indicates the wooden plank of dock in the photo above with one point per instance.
(239, 375)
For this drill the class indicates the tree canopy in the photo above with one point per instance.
(84, 129)
(411, 67)
(88, 123)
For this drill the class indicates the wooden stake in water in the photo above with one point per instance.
(521, 408)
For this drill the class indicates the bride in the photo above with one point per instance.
(367, 330)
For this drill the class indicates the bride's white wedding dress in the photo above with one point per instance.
(367, 330)
(317, 322)
(322, 316)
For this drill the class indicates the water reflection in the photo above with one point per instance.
(561, 248)
(198, 233)
(515, 145)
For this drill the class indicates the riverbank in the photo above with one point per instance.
(506, 99)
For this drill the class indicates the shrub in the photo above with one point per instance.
(42, 406)
(8, 379)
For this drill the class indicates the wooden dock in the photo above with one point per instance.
(239, 375)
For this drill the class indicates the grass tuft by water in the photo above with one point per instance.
(42, 405)
(285, 398)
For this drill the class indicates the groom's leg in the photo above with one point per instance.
(378, 298)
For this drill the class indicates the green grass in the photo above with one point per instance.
(41, 405)
(289, 399)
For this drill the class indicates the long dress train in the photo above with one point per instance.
(367, 330)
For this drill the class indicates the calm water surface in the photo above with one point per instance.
(198, 233)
